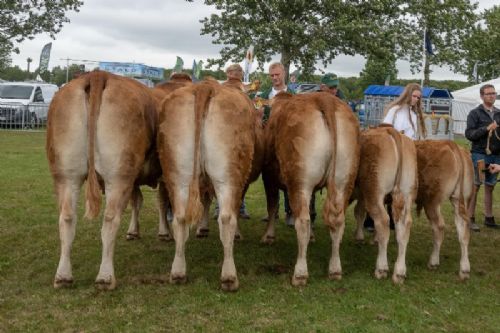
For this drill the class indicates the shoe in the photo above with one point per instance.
(289, 220)
(489, 221)
(473, 226)
(369, 225)
(266, 218)
(244, 215)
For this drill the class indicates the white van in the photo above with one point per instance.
(25, 104)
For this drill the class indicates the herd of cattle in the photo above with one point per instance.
(199, 141)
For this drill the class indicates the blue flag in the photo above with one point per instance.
(428, 43)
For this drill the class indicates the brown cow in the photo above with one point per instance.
(311, 142)
(206, 140)
(159, 92)
(101, 128)
(387, 166)
(202, 228)
(445, 171)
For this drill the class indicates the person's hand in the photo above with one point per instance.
(492, 126)
(494, 168)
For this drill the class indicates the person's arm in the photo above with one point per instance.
(472, 131)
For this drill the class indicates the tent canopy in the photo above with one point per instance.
(471, 94)
(427, 92)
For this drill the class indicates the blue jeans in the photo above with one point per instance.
(489, 178)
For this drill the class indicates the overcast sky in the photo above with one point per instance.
(154, 32)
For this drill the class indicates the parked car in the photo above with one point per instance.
(25, 104)
(304, 88)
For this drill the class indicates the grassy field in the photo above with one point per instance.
(429, 301)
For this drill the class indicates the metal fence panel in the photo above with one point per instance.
(23, 117)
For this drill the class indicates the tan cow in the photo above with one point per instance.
(387, 166)
(445, 171)
(311, 143)
(100, 129)
(206, 140)
(159, 92)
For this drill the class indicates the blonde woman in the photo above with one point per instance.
(405, 113)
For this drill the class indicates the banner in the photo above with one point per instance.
(199, 67)
(248, 64)
(179, 64)
(44, 58)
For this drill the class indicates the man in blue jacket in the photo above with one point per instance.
(482, 124)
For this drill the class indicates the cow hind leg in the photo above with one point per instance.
(181, 233)
(164, 230)
(402, 227)
(202, 228)
(360, 215)
(463, 233)
(227, 230)
(117, 196)
(334, 217)
(433, 212)
(272, 198)
(136, 203)
(381, 221)
(303, 228)
(67, 196)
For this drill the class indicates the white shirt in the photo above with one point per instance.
(275, 92)
(399, 118)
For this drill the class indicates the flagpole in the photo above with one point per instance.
(424, 58)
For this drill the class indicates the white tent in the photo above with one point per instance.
(467, 99)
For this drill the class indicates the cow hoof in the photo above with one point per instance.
(178, 279)
(381, 273)
(337, 276)
(105, 284)
(464, 275)
(165, 237)
(238, 237)
(433, 267)
(299, 280)
(230, 283)
(132, 236)
(63, 282)
(268, 240)
(202, 233)
(398, 279)
(312, 238)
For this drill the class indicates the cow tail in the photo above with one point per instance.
(331, 211)
(94, 90)
(397, 195)
(462, 205)
(194, 209)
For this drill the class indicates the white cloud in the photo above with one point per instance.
(154, 32)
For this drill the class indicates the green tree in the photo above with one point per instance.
(377, 70)
(14, 74)
(448, 23)
(302, 32)
(20, 20)
(482, 47)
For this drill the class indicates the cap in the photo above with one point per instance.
(330, 80)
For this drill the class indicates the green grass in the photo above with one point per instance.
(429, 301)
